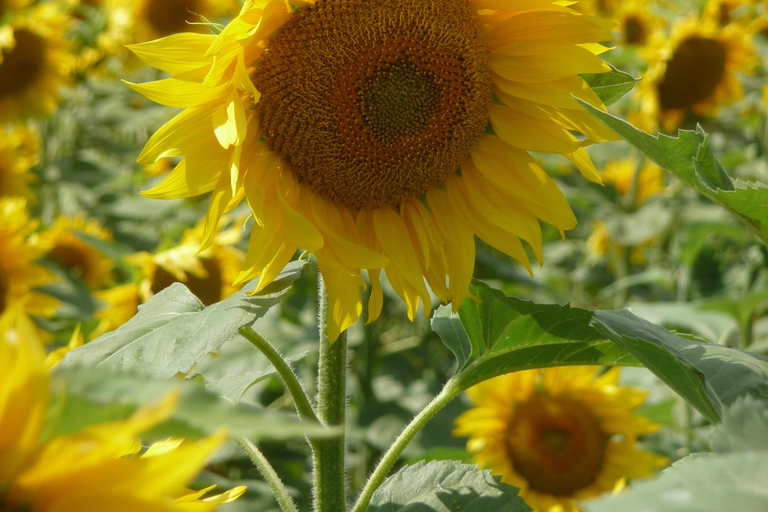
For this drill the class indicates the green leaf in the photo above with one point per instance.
(506, 334)
(744, 427)
(702, 483)
(173, 331)
(610, 87)
(690, 158)
(708, 376)
(84, 395)
(445, 486)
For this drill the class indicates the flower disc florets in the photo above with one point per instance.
(373, 102)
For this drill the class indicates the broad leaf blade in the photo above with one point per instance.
(88, 394)
(445, 486)
(611, 86)
(690, 158)
(708, 376)
(173, 331)
(507, 334)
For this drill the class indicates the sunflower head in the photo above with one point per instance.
(34, 61)
(693, 71)
(558, 434)
(380, 135)
(84, 260)
(636, 23)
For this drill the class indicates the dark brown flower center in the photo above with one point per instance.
(207, 289)
(635, 30)
(556, 444)
(23, 64)
(172, 16)
(693, 73)
(373, 101)
(72, 257)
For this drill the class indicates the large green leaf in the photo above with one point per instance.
(84, 395)
(610, 87)
(709, 376)
(504, 334)
(702, 483)
(173, 331)
(445, 486)
(689, 156)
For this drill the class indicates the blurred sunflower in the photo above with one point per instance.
(34, 61)
(693, 71)
(160, 18)
(97, 468)
(121, 304)
(559, 434)
(63, 245)
(209, 274)
(724, 12)
(380, 135)
(19, 152)
(636, 23)
(19, 275)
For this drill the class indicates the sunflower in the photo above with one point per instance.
(693, 71)
(724, 12)
(34, 61)
(159, 18)
(559, 434)
(209, 274)
(380, 135)
(64, 246)
(121, 304)
(636, 23)
(19, 152)
(97, 468)
(19, 275)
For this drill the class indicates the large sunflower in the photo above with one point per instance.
(34, 61)
(63, 245)
(380, 134)
(693, 71)
(559, 434)
(19, 152)
(19, 275)
(97, 468)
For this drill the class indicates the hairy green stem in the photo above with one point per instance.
(300, 399)
(268, 472)
(448, 393)
(328, 454)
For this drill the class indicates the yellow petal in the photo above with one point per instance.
(179, 136)
(544, 61)
(229, 122)
(175, 54)
(524, 131)
(173, 92)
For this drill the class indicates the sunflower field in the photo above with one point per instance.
(383, 255)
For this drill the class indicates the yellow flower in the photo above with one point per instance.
(121, 304)
(724, 12)
(636, 22)
(34, 61)
(693, 71)
(19, 275)
(97, 468)
(380, 135)
(559, 434)
(19, 152)
(63, 245)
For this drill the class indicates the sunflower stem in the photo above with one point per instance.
(329, 465)
(450, 391)
(300, 399)
(268, 472)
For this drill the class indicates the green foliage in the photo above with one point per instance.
(690, 158)
(504, 334)
(173, 331)
(84, 395)
(709, 376)
(445, 486)
(612, 86)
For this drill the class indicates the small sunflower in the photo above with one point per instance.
(636, 23)
(208, 274)
(19, 152)
(693, 71)
(34, 61)
(380, 135)
(97, 468)
(724, 12)
(559, 434)
(84, 260)
(160, 18)
(19, 275)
